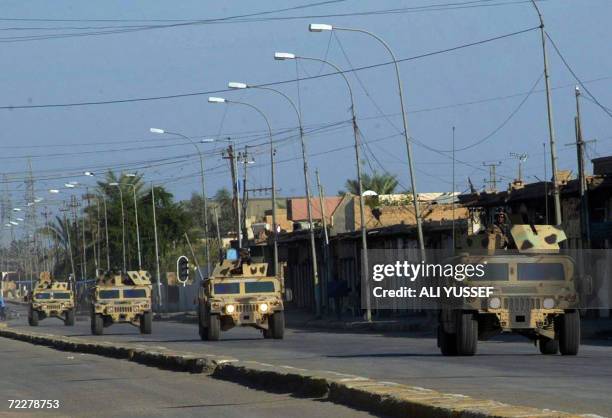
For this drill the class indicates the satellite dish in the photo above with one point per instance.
(369, 193)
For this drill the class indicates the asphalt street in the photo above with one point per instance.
(87, 386)
(509, 370)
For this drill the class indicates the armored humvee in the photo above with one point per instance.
(51, 298)
(535, 293)
(241, 293)
(122, 298)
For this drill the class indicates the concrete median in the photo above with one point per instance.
(385, 398)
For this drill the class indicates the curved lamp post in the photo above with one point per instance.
(281, 56)
(262, 114)
(319, 27)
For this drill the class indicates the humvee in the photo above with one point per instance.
(51, 298)
(535, 294)
(240, 293)
(122, 298)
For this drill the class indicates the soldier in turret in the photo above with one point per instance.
(499, 230)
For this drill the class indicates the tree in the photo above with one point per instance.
(380, 183)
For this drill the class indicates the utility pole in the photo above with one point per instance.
(454, 188)
(584, 197)
(73, 207)
(326, 252)
(545, 186)
(64, 210)
(46, 214)
(521, 159)
(551, 129)
(159, 296)
(492, 175)
(106, 233)
(245, 160)
(229, 155)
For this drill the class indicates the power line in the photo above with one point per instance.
(594, 99)
(201, 93)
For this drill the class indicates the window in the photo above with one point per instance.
(493, 272)
(61, 295)
(226, 288)
(134, 293)
(541, 271)
(109, 294)
(42, 295)
(259, 287)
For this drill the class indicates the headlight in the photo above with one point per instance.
(263, 307)
(230, 309)
(548, 303)
(495, 303)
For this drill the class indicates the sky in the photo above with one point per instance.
(479, 90)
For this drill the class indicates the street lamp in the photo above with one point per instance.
(313, 250)
(115, 184)
(281, 56)
(203, 184)
(273, 180)
(320, 27)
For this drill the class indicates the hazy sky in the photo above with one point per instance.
(65, 141)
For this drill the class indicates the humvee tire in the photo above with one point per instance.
(569, 333)
(447, 342)
(548, 346)
(202, 326)
(97, 324)
(276, 324)
(69, 321)
(146, 322)
(214, 327)
(32, 317)
(467, 333)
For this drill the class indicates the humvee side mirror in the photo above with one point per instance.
(288, 295)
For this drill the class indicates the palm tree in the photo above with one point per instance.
(380, 183)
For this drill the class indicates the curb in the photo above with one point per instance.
(386, 398)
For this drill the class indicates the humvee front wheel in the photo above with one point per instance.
(214, 327)
(33, 317)
(276, 325)
(69, 321)
(447, 342)
(548, 346)
(569, 333)
(97, 324)
(467, 334)
(146, 322)
(202, 326)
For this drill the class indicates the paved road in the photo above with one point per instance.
(511, 371)
(87, 385)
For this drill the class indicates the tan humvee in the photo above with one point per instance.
(122, 298)
(535, 294)
(240, 293)
(51, 298)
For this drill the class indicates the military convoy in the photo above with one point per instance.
(535, 293)
(122, 298)
(240, 293)
(51, 298)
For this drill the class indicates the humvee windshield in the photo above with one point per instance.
(258, 287)
(540, 271)
(43, 295)
(494, 272)
(61, 295)
(226, 288)
(109, 294)
(134, 293)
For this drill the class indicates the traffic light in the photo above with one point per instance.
(182, 269)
